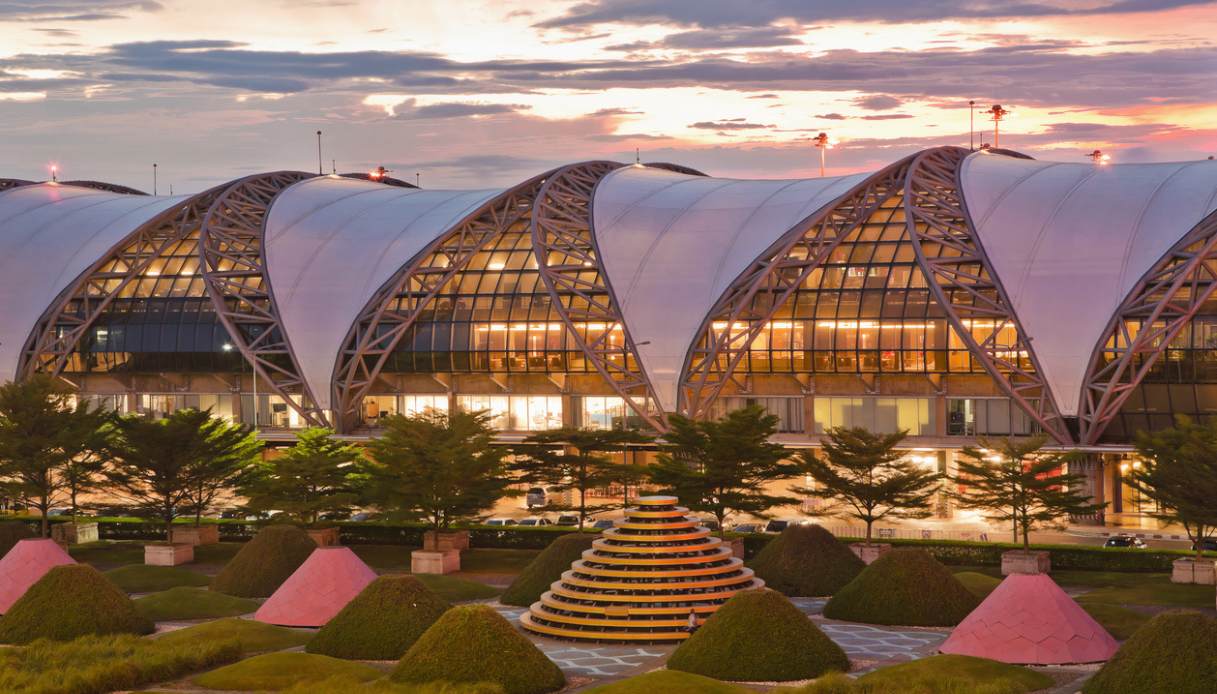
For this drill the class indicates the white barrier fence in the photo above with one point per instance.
(852, 531)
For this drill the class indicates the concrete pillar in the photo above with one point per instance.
(1090, 469)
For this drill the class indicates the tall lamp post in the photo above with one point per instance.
(228, 347)
(1099, 158)
(971, 125)
(823, 143)
(998, 113)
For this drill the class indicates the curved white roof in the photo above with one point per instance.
(671, 244)
(332, 242)
(1069, 241)
(49, 234)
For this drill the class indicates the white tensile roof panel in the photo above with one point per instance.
(671, 244)
(49, 235)
(332, 242)
(1068, 242)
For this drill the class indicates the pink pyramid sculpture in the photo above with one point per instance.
(326, 581)
(25, 563)
(1029, 620)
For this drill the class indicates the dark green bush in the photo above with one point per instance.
(189, 602)
(265, 562)
(905, 587)
(546, 568)
(382, 622)
(249, 635)
(473, 643)
(759, 636)
(806, 560)
(275, 671)
(68, 602)
(12, 532)
(1174, 652)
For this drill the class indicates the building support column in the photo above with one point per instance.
(1090, 469)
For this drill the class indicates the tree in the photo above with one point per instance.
(721, 467)
(581, 468)
(1180, 474)
(1012, 481)
(318, 474)
(43, 433)
(438, 467)
(863, 472)
(179, 463)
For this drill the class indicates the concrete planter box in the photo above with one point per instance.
(74, 533)
(1016, 561)
(445, 540)
(869, 553)
(168, 555)
(737, 547)
(428, 562)
(324, 537)
(1193, 571)
(191, 535)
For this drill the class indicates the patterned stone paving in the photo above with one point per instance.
(872, 643)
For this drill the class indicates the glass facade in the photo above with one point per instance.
(516, 412)
(605, 413)
(988, 417)
(788, 410)
(879, 414)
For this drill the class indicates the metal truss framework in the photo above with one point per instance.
(102, 185)
(234, 272)
(568, 260)
(964, 284)
(388, 315)
(716, 354)
(1164, 301)
(49, 347)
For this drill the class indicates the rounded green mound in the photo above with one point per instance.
(141, 578)
(382, 622)
(1173, 652)
(265, 562)
(188, 602)
(71, 601)
(669, 682)
(546, 568)
(955, 673)
(473, 643)
(12, 532)
(250, 636)
(347, 685)
(759, 636)
(806, 561)
(275, 671)
(905, 587)
(979, 584)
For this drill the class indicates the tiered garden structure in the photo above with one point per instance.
(642, 579)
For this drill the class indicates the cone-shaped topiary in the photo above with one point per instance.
(265, 562)
(382, 622)
(806, 560)
(12, 532)
(1173, 652)
(70, 601)
(905, 587)
(473, 643)
(546, 568)
(759, 636)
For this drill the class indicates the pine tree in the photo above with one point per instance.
(317, 475)
(1179, 472)
(1013, 482)
(868, 478)
(721, 467)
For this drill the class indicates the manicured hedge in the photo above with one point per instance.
(68, 602)
(382, 622)
(1172, 653)
(905, 587)
(806, 561)
(546, 568)
(12, 532)
(265, 562)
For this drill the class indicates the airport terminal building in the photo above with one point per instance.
(953, 294)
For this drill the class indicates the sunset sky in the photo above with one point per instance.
(480, 93)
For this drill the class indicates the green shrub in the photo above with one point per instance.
(141, 578)
(977, 583)
(669, 682)
(806, 560)
(250, 636)
(187, 602)
(265, 562)
(455, 589)
(546, 568)
(905, 587)
(759, 635)
(275, 671)
(473, 643)
(940, 674)
(382, 622)
(1173, 652)
(12, 532)
(1120, 622)
(71, 601)
(96, 664)
(384, 686)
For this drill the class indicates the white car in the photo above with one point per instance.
(534, 522)
(500, 521)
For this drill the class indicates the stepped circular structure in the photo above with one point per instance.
(642, 579)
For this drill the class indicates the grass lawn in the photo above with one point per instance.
(348, 685)
(669, 682)
(108, 553)
(979, 584)
(497, 561)
(275, 671)
(455, 589)
(188, 602)
(955, 673)
(1120, 622)
(139, 578)
(1150, 589)
(251, 636)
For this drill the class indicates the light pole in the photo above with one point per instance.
(971, 125)
(998, 114)
(823, 143)
(154, 178)
(320, 170)
(54, 173)
(254, 379)
(1099, 158)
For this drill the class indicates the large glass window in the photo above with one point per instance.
(516, 412)
(988, 417)
(883, 415)
(606, 412)
(788, 410)
(161, 405)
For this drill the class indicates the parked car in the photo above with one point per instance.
(535, 497)
(361, 516)
(535, 522)
(746, 528)
(500, 521)
(1208, 544)
(776, 526)
(567, 520)
(604, 524)
(708, 523)
(58, 512)
(1125, 540)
